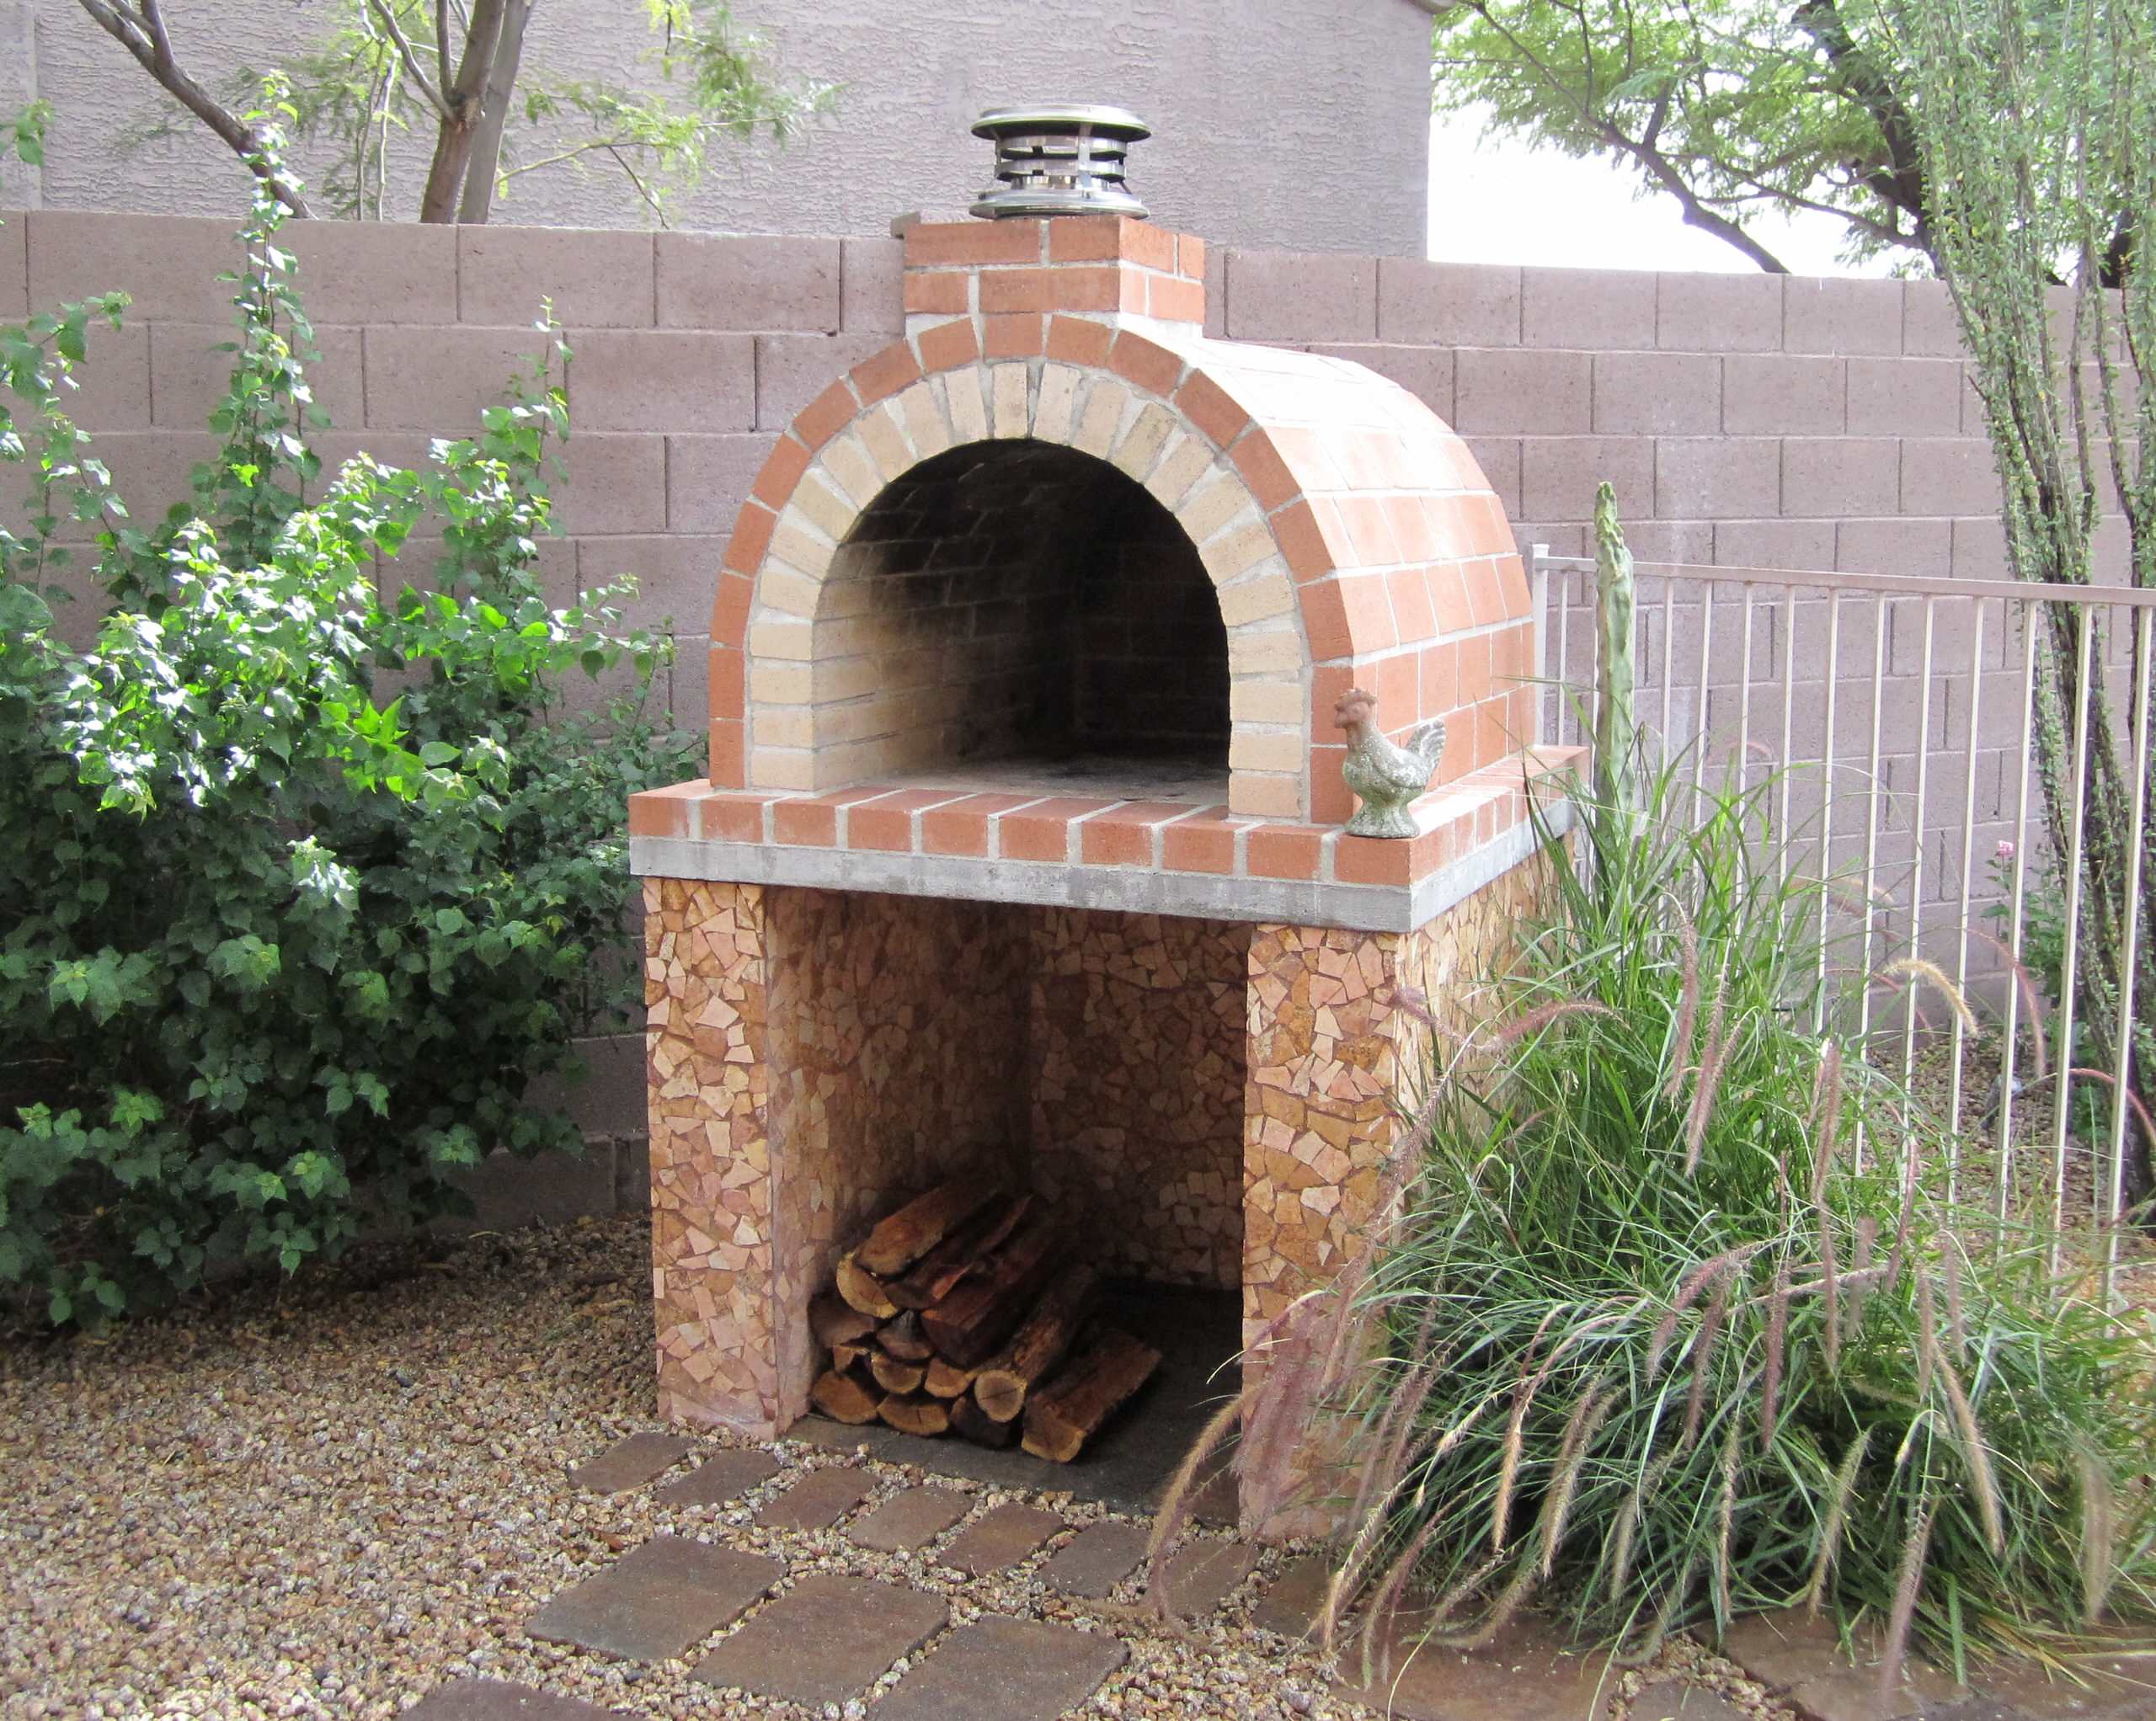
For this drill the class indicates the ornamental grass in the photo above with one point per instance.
(1673, 1321)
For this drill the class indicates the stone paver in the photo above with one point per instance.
(657, 1600)
(494, 1700)
(1004, 1669)
(2119, 1687)
(1522, 1674)
(911, 1518)
(726, 1477)
(817, 1501)
(1199, 1575)
(1102, 1555)
(1671, 1702)
(1293, 1600)
(631, 1462)
(825, 1639)
(1218, 1500)
(1803, 1659)
(999, 1538)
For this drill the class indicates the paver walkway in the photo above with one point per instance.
(772, 1629)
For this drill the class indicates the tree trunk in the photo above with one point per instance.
(486, 152)
(453, 141)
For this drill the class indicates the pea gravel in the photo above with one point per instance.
(325, 1499)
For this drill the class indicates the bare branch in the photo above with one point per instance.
(411, 59)
(441, 43)
(141, 31)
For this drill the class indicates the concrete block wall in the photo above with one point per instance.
(1745, 420)
(691, 352)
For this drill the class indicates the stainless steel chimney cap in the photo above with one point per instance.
(1060, 159)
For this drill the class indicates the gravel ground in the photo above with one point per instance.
(323, 1500)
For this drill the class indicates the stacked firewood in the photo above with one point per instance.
(960, 1313)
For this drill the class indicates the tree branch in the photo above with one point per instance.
(1656, 166)
(411, 59)
(1900, 183)
(141, 31)
(1696, 212)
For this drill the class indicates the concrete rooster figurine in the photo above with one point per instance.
(1384, 778)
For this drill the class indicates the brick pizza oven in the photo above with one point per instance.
(1020, 853)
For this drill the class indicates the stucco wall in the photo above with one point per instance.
(1279, 122)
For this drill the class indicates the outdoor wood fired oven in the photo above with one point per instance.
(1020, 853)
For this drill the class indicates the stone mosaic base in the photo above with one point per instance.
(818, 1055)
(896, 1027)
(1208, 1103)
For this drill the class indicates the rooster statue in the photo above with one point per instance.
(1384, 778)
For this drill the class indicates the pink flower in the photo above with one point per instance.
(2005, 849)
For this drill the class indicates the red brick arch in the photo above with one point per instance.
(1350, 535)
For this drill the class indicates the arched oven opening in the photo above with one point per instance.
(1017, 612)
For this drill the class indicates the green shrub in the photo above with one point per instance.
(306, 885)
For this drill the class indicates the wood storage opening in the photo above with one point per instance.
(965, 1312)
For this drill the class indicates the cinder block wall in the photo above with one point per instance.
(1745, 419)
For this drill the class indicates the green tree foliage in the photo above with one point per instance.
(1733, 107)
(306, 883)
(426, 107)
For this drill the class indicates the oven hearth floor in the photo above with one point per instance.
(1116, 776)
(1128, 1464)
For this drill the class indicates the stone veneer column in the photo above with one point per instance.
(1340, 1039)
(705, 987)
(1339, 1032)
(1318, 1127)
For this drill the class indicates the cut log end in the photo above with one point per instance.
(912, 1415)
(843, 1399)
(862, 1290)
(903, 1339)
(836, 1323)
(894, 1376)
(966, 1420)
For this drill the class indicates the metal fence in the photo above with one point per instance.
(1889, 725)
